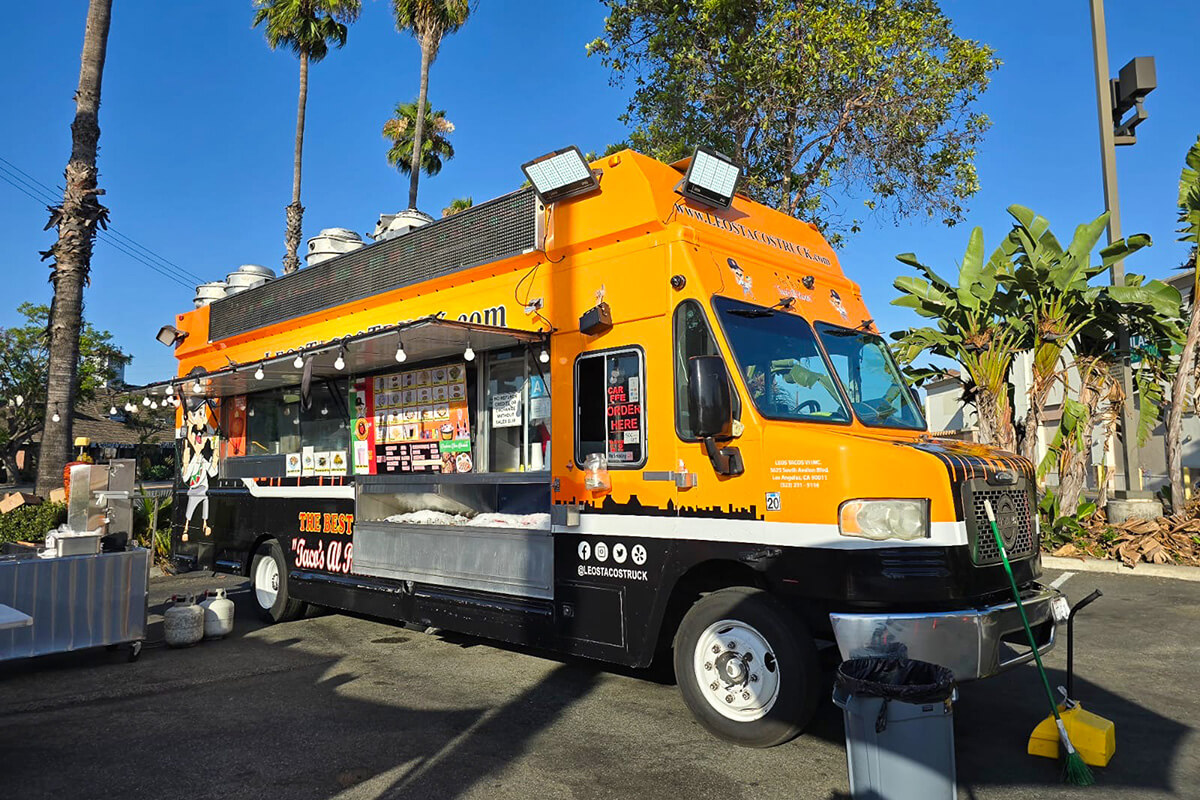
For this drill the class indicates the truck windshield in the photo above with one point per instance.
(877, 390)
(778, 356)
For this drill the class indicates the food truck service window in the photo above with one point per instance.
(610, 407)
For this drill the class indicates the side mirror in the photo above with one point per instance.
(710, 401)
(710, 405)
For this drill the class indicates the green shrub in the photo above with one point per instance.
(31, 523)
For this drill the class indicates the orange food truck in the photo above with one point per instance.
(623, 414)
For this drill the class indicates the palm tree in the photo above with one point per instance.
(1189, 216)
(435, 147)
(428, 21)
(456, 205)
(307, 27)
(76, 220)
(1055, 299)
(976, 326)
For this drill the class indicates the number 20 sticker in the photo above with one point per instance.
(773, 501)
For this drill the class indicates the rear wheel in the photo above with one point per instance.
(268, 582)
(747, 667)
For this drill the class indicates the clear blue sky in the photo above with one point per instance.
(198, 117)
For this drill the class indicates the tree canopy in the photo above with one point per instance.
(25, 371)
(306, 26)
(820, 102)
(435, 142)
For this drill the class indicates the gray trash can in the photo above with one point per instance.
(899, 728)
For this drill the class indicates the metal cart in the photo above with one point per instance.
(75, 601)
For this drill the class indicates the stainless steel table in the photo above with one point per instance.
(74, 602)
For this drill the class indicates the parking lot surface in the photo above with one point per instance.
(334, 706)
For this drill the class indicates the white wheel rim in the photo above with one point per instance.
(266, 582)
(736, 670)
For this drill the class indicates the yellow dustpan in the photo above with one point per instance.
(1091, 734)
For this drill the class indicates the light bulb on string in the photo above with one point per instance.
(544, 356)
(56, 417)
(469, 354)
(340, 363)
(259, 374)
(153, 404)
(299, 362)
(146, 402)
(197, 387)
(400, 354)
(324, 411)
(112, 411)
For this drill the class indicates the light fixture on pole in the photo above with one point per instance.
(1113, 99)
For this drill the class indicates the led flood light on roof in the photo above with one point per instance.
(711, 178)
(559, 175)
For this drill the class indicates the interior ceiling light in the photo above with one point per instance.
(711, 178)
(559, 175)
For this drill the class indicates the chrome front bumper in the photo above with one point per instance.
(969, 642)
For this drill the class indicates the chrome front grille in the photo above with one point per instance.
(1013, 506)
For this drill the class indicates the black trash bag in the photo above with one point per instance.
(906, 680)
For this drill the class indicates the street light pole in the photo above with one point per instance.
(1108, 163)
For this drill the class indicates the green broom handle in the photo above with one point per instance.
(1021, 607)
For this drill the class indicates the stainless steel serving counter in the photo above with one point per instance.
(75, 601)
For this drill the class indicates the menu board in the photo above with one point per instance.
(412, 421)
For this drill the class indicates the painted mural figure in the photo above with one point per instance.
(200, 464)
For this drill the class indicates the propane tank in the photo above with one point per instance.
(218, 614)
(183, 622)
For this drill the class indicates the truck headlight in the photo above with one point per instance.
(885, 519)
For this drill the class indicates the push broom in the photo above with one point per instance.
(1075, 771)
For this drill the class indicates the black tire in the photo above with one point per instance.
(794, 656)
(284, 609)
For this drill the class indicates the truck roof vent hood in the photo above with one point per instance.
(392, 225)
(331, 243)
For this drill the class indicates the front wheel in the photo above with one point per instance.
(747, 667)
(268, 582)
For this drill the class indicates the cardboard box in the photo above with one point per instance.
(18, 499)
(58, 495)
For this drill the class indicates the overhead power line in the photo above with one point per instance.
(115, 244)
(48, 195)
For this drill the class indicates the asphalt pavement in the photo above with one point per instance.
(335, 706)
